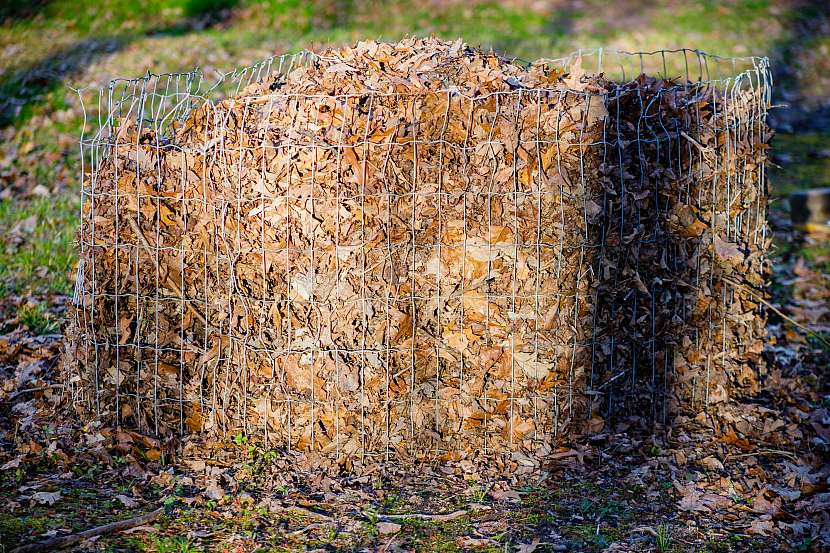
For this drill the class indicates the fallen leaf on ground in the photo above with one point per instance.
(387, 528)
(761, 527)
(127, 501)
(711, 463)
(214, 491)
(46, 498)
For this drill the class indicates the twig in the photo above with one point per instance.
(428, 516)
(303, 530)
(169, 281)
(783, 315)
(645, 530)
(697, 144)
(72, 539)
(37, 389)
(792, 321)
(306, 511)
(781, 452)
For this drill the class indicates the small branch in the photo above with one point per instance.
(697, 144)
(645, 530)
(780, 313)
(792, 321)
(302, 531)
(783, 453)
(306, 511)
(28, 390)
(37, 389)
(428, 516)
(111, 528)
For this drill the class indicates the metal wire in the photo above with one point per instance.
(607, 370)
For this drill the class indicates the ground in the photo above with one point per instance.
(753, 477)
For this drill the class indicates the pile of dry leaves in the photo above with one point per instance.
(419, 250)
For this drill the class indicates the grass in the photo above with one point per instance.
(663, 539)
(245, 29)
(802, 166)
(591, 534)
(426, 535)
(170, 544)
(14, 528)
(479, 494)
(36, 319)
(43, 258)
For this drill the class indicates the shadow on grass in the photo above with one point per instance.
(23, 86)
(18, 11)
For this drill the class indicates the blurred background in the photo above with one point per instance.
(47, 45)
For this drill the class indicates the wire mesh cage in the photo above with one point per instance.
(428, 271)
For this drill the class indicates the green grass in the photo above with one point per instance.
(43, 261)
(37, 320)
(169, 544)
(812, 67)
(803, 168)
(663, 539)
(737, 27)
(13, 529)
(588, 535)
(426, 535)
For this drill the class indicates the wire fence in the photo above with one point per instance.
(422, 275)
